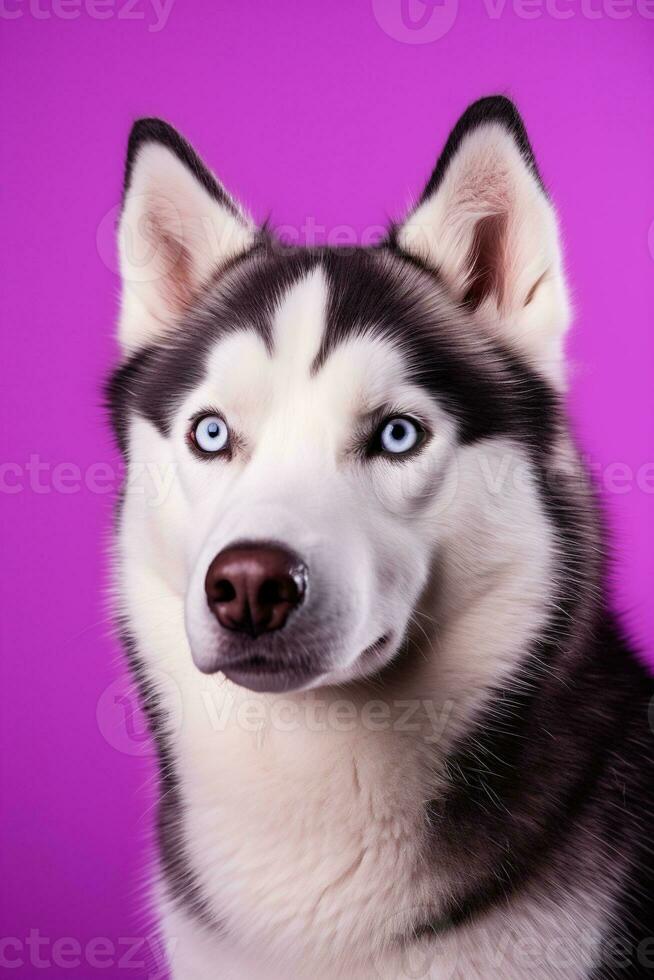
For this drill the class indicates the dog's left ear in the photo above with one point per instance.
(178, 227)
(486, 224)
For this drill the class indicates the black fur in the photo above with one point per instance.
(565, 750)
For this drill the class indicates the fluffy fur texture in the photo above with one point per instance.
(456, 779)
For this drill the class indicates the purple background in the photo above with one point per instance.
(329, 111)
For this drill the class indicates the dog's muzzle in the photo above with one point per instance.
(252, 589)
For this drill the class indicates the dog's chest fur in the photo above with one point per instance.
(293, 829)
(315, 842)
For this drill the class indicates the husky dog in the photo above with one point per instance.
(400, 734)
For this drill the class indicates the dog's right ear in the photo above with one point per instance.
(486, 225)
(178, 227)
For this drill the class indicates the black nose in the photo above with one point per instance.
(252, 588)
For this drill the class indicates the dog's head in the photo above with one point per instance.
(324, 411)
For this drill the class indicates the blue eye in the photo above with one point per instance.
(210, 434)
(399, 435)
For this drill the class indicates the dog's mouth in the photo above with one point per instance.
(268, 673)
(265, 674)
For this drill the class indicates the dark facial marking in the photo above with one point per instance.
(376, 291)
(154, 381)
(490, 393)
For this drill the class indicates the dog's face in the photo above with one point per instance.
(327, 414)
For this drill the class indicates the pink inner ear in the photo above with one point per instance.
(175, 261)
(486, 261)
